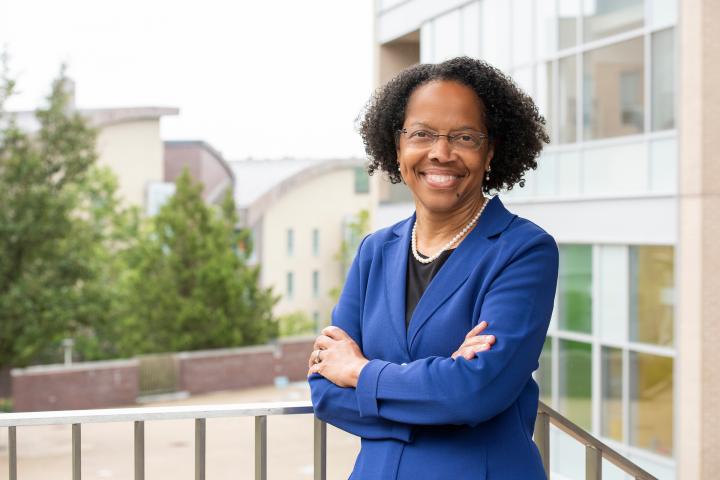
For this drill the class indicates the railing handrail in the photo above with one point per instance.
(582, 436)
(105, 415)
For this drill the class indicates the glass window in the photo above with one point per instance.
(316, 242)
(663, 79)
(544, 372)
(544, 98)
(446, 39)
(615, 169)
(362, 180)
(663, 12)
(470, 30)
(316, 283)
(612, 380)
(545, 27)
(613, 295)
(651, 402)
(522, 31)
(652, 294)
(568, 11)
(603, 18)
(613, 90)
(316, 320)
(568, 100)
(663, 165)
(546, 175)
(568, 176)
(290, 241)
(495, 28)
(575, 382)
(575, 288)
(290, 285)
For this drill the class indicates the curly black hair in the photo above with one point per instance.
(514, 124)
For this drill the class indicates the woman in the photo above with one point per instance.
(443, 316)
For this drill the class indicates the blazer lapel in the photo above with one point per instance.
(395, 257)
(457, 268)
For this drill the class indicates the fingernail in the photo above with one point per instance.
(483, 323)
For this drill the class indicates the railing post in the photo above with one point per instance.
(76, 457)
(139, 450)
(320, 450)
(593, 463)
(199, 449)
(12, 452)
(542, 439)
(261, 447)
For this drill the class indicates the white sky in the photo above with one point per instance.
(253, 78)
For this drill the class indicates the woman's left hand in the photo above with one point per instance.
(337, 357)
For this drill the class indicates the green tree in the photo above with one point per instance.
(54, 205)
(355, 231)
(190, 286)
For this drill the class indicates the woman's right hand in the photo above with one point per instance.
(474, 342)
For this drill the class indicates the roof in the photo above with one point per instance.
(259, 183)
(99, 117)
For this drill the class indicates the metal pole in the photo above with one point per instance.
(12, 452)
(199, 449)
(593, 463)
(139, 450)
(261, 447)
(542, 439)
(76, 451)
(320, 450)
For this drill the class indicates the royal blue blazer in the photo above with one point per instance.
(420, 414)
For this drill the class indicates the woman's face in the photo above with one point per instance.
(443, 177)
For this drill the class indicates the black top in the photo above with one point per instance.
(417, 279)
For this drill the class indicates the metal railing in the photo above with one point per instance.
(595, 450)
(139, 416)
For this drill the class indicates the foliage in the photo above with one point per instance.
(355, 231)
(188, 288)
(296, 323)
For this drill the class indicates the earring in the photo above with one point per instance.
(487, 175)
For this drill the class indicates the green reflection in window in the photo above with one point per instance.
(651, 402)
(575, 288)
(612, 393)
(652, 303)
(362, 180)
(544, 372)
(575, 382)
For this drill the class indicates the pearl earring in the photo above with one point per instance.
(487, 175)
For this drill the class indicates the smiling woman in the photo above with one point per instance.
(443, 316)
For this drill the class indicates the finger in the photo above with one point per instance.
(477, 329)
(323, 342)
(471, 352)
(490, 339)
(316, 368)
(336, 333)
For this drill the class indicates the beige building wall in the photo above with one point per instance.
(698, 276)
(134, 151)
(322, 203)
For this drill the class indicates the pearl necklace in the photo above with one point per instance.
(452, 241)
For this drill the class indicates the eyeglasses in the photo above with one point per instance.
(462, 141)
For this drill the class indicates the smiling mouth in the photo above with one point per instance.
(438, 180)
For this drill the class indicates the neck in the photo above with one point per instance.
(435, 229)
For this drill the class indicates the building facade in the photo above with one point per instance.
(299, 212)
(606, 76)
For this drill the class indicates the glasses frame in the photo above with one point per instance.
(450, 139)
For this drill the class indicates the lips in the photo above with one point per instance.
(436, 179)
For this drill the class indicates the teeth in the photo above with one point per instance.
(441, 178)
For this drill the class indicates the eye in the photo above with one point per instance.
(420, 134)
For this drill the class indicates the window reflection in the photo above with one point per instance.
(652, 302)
(568, 11)
(663, 79)
(568, 100)
(651, 402)
(613, 87)
(575, 382)
(544, 372)
(603, 18)
(575, 288)
(612, 393)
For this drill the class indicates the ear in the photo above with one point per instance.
(490, 153)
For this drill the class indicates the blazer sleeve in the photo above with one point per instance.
(440, 390)
(338, 405)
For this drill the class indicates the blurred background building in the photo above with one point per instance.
(625, 191)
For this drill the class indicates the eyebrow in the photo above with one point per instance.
(463, 127)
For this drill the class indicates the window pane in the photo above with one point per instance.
(362, 180)
(545, 27)
(612, 393)
(544, 372)
(522, 41)
(663, 165)
(575, 288)
(544, 98)
(289, 287)
(568, 100)
(651, 402)
(316, 283)
(603, 18)
(663, 79)
(575, 380)
(652, 294)
(613, 90)
(567, 23)
(290, 241)
(446, 38)
(316, 242)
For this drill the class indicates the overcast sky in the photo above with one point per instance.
(256, 78)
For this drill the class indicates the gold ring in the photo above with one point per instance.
(317, 357)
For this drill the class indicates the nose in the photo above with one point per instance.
(441, 150)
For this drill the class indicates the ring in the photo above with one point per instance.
(317, 357)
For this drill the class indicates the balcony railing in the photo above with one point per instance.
(595, 450)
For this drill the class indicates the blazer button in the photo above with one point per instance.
(403, 364)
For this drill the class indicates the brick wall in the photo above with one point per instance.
(78, 386)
